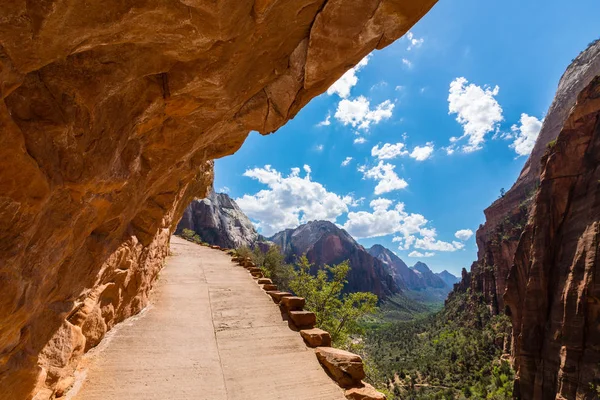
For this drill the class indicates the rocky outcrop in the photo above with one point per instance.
(498, 238)
(218, 220)
(553, 293)
(326, 244)
(109, 114)
(552, 349)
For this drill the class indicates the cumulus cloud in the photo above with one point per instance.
(346, 161)
(464, 234)
(476, 110)
(224, 189)
(412, 230)
(526, 134)
(343, 85)
(422, 153)
(413, 42)
(418, 254)
(360, 140)
(389, 151)
(386, 177)
(384, 220)
(290, 200)
(326, 121)
(359, 114)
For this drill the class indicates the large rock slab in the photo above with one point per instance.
(293, 303)
(303, 319)
(316, 337)
(365, 392)
(345, 367)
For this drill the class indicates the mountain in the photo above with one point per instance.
(218, 220)
(325, 243)
(448, 278)
(403, 275)
(430, 279)
(417, 278)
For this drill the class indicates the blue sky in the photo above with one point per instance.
(411, 195)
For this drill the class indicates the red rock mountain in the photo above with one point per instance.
(110, 115)
(325, 243)
(538, 250)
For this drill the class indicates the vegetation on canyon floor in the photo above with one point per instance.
(453, 354)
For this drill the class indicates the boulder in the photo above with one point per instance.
(344, 367)
(264, 281)
(316, 337)
(293, 303)
(303, 319)
(269, 287)
(365, 392)
(278, 295)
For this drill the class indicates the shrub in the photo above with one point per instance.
(338, 314)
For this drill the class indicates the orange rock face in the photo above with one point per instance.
(110, 114)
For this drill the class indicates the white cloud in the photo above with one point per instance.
(326, 121)
(407, 63)
(360, 140)
(399, 88)
(430, 243)
(464, 234)
(526, 134)
(383, 220)
(343, 85)
(379, 85)
(384, 174)
(319, 147)
(422, 153)
(477, 111)
(346, 161)
(359, 114)
(290, 200)
(389, 151)
(224, 189)
(413, 42)
(418, 254)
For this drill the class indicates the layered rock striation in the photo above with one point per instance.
(109, 116)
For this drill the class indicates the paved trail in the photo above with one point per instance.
(210, 333)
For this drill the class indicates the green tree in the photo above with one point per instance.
(337, 313)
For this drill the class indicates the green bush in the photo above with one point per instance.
(338, 314)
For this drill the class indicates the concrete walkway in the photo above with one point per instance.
(210, 333)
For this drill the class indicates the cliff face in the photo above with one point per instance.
(218, 220)
(108, 117)
(553, 293)
(530, 224)
(498, 238)
(324, 243)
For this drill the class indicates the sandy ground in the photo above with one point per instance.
(210, 333)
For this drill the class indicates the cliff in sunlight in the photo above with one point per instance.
(538, 250)
(110, 114)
